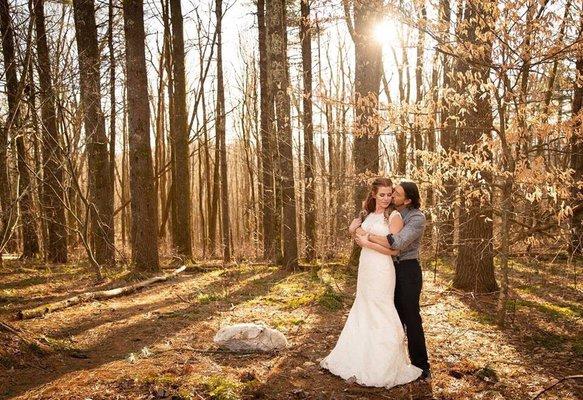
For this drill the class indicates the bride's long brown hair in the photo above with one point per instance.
(370, 204)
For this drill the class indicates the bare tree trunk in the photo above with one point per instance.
(221, 138)
(53, 188)
(124, 168)
(448, 143)
(576, 160)
(160, 134)
(475, 259)
(506, 205)
(201, 196)
(309, 194)
(169, 210)
(401, 137)
(113, 110)
(267, 143)
(32, 110)
(124, 172)
(5, 206)
(214, 201)
(279, 83)
(419, 85)
(368, 59)
(332, 170)
(143, 206)
(181, 172)
(14, 91)
(248, 108)
(99, 170)
(207, 171)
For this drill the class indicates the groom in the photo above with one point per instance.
(407, 201)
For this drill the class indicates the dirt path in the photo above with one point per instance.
(158, 343)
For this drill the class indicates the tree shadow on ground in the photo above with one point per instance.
(119, 341)
(544, 336)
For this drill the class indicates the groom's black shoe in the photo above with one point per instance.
(426, 375)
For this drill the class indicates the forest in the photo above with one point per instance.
(169, 168)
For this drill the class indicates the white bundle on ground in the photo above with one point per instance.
(250, 337)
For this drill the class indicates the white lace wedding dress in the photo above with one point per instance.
(371, 349)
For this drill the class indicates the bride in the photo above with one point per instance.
(371, 349)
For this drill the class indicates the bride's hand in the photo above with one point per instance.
(362, 240)
(354, 225)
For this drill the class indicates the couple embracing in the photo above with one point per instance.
(371, 349)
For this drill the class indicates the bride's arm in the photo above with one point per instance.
(355, 228)
(364, 242)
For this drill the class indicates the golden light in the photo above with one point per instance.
(385, 32)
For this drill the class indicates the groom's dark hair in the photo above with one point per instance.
(412, 193)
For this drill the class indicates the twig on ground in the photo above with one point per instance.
(183, 299)
(4, 326)
(508, 362)
(218, 351)
(556, 383)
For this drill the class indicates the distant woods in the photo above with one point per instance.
(135, 133)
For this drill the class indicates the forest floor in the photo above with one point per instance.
(157, 343)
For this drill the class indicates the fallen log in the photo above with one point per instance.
(100, 295)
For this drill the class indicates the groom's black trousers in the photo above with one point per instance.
(409, 281)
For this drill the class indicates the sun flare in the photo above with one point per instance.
(385, 32)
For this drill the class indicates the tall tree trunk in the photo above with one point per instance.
(576, 161)
(7, 210)
(221, 138)
(169, 208)
(448, 141)
(475, 259)
(124, 172)
(214, 201)
(207, 170)
(368, 60)
(99, 170)
(181, 236)
(419, 85)
(53, 187)
(331, 132)
(201, 197)
(14, 93)
(113, 109)
(279, 83)
(159, 148)
(36, 135)
(267, 142)
(400, 135)
(309, 195)
(143, 207)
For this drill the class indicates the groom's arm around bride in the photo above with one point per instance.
(408, 239)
